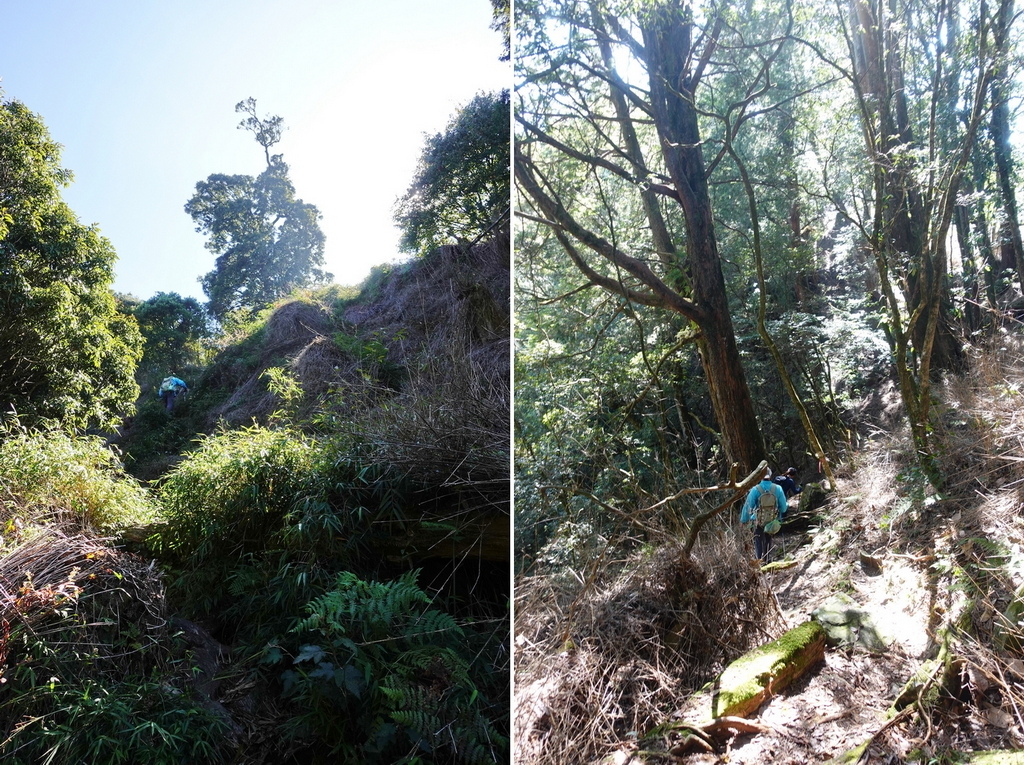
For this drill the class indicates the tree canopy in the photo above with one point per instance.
(174, 329)
(807, 148)
(461, 188)
(66, 353)
(267, 241)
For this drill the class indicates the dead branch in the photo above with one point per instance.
(738, 490)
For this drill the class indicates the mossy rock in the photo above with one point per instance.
(748, 682)
(1006, 633)
(812, 498)
(850, 756)
(808, 511)
(846, 623)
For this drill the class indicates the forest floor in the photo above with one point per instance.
(609, 649)
(897, 570)
(844, 701)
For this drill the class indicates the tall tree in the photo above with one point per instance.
(267, 241)
(66, 353)
(584, 124)
(917, 180)
(999, 128)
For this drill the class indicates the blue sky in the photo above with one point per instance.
(141, 94)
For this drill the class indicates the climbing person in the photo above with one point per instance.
(169, 390)
(788, 483)
(765, 507)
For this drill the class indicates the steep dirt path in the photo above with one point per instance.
(842, 702)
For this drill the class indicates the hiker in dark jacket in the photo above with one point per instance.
(788, 483)
(763, 540)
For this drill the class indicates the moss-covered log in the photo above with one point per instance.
(746, 683)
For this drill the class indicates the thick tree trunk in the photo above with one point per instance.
(674, 77)
(699, 293)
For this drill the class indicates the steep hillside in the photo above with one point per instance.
(314, 567)
(416, 366)
(920, 592)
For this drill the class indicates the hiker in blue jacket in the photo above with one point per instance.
(751, 508)
(169, 390)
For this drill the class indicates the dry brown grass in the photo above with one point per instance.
(74, 584)
(444, 322)
(604, 654)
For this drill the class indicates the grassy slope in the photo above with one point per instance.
(405, 385)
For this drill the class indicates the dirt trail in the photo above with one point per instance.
(844, 700)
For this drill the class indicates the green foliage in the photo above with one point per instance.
(380, 676)
(609, 406)
(372, 354)
(176, 331)
(286, 387)
(266, 525)
(502, 24)
(267, 131)
(78, 475)
(260, 520)
(66, 353)
(267, 241)
(145, 721)
(235, 490)
(461, 189)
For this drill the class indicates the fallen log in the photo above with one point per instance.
(748, 682)
(719, 710)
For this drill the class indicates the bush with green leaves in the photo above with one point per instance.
(461, 190)
(234, 491)
(260, 521)
(67, 354)
(146, 721)
(378, 675)
(77, 476)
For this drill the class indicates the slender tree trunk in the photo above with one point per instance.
(762, 308)
(999, 128)
(906, 216)
(972, 281)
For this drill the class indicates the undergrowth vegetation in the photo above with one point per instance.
(308, 561)
(615, 626)
(75, 477)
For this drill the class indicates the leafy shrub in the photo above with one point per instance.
(260, 521)
(52, 470)
(379, 676)
(119, 723)
(155, 439)
(234, 491)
